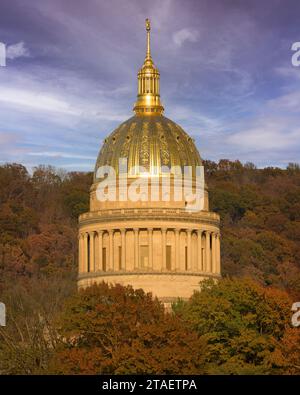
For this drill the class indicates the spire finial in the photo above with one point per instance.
(148, 28)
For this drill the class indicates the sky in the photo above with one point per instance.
(226, 76)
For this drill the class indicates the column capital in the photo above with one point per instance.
(123, 231)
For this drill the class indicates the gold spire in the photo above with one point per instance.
(148, 98)
(148, 28)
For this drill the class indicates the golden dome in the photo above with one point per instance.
(149, 226)
(148, 139)
(149, 142)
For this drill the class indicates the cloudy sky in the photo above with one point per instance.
(226, 76)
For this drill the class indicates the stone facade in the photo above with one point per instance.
(164, 251)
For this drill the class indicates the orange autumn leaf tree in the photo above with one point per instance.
(118, 330)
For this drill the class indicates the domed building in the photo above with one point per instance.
(144, 231)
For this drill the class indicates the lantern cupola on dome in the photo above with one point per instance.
(148, 98)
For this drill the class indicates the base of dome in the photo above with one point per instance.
(167, 287)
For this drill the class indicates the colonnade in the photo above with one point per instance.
(148, 84)
(207, 247)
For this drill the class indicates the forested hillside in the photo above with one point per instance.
(260, 221)
(38, 221)
(259, 208)
(260, 225)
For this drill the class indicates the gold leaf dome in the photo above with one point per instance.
(149, 142)
(148, 139)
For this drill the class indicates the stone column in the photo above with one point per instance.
(213, 253)
(123, 250)
(177, 250)
(163, 246)
(136, 248)
(100, 246)
(207, 252)
(189, 249)
(150, 244)
(79, 254)
(199, 251)
(92, 251)
(85, 252)
(111, 249)
(218, 253)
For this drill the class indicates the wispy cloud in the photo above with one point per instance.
(17, 50)
(35, 100)
(58, 155)
(185, 34)
(289, 101)
(266, 136)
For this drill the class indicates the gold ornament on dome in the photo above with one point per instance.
(148, 98)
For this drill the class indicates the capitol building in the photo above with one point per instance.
(156, 241)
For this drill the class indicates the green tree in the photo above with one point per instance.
(242, 322)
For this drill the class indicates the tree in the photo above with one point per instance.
(118, 330)
(287, 353)
(30, 337)
(242, 322)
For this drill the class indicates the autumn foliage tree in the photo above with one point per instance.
(245, 325)
(118, 330)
